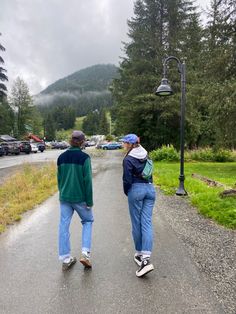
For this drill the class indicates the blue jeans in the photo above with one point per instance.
(141, 198)
(86, 216)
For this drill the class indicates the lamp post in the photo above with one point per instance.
(165, 90)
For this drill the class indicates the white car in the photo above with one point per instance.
(34, 148)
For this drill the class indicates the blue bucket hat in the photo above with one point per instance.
(130, 138)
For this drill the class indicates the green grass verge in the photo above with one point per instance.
(24, 190)
(205, 198)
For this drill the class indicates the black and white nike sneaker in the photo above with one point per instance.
(138, 259)
(145, 268)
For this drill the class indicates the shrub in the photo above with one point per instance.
(205, 154)
(166, 153)
(223, 155)
(208, 154)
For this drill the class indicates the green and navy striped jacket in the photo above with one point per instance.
(74, 177)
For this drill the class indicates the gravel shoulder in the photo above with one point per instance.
(211, 247)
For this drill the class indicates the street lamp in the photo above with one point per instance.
(165, 90)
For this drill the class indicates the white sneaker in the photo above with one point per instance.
(69, 263)
(85, 260)
(145, 268)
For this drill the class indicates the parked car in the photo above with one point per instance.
(41, 147)
(90, 143)
(2, 151)
(25, 147)
(60, 145)
(112, 145)
(34, 148)
(11, 148)
(100, 145)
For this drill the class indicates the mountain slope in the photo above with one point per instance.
(83, 91)
(96, 78)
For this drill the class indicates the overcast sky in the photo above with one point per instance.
(46, 40)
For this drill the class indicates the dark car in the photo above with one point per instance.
(2, 151)
(41, 147)
(112, 145)
(60, 145)
(11, 148)
(25, 147)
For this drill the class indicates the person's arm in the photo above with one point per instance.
(127, 175)
(87, 172)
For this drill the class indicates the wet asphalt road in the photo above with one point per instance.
(31, 280)
(12, 160)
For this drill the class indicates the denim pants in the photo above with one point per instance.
(141, 198)
(86, 216)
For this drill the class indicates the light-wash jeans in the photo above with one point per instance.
(86, 216)
(141, 198)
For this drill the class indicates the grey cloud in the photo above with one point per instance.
(49, 39)
(46, 40)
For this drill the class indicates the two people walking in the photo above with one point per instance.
(75, 194)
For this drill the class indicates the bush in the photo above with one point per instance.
(205, 154)
(208, 154)
(166, 153)
(223, 155)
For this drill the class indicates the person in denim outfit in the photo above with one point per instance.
(141, 198)
(74, 176)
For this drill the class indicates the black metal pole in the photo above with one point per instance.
(181, 191)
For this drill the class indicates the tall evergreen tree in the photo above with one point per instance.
(220, 40)
(104, 126)
(49, 128)
(157, 29)
(3, 77)
(6, 117)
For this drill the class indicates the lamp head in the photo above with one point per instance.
(164, 89)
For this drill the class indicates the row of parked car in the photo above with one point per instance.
(17, 147)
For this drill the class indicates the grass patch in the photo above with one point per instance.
(205, 198)
(24, 190)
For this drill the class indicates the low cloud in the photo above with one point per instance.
(48, 99)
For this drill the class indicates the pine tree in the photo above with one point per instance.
(3, 76)
(103, 123)
(157, 29)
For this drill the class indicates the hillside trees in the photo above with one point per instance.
(83, 91)
(96, 122)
